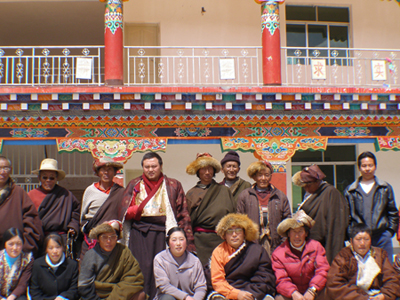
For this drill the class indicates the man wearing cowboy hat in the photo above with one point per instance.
(17, 210)
(155, 203)
(208, 202)
(102, 200)
(57, 207)
(326, 206)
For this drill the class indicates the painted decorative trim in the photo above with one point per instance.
(113, 17)
(270, 17)
(274, 149)
(119, 150)
(387, 143)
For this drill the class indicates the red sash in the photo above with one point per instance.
(135, 211)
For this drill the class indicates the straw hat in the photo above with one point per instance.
(50, 164)
(298, 220)
(203, 160)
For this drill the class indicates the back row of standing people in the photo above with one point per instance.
(153, 203)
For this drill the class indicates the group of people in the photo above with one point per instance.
(228, 240)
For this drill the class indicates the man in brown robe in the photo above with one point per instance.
(230, 167)
(208, 202)
(17, 210)
(327, 206)
(58, 208)
(155, 204)
(101, 201)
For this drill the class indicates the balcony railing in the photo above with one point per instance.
(51, 65)
(200, 66)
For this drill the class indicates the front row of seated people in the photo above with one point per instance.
(239, 268)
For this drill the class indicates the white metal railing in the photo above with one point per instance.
(51, 65)
(347, 67)
(198, 66)
(193, 66)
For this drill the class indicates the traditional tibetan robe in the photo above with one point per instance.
(330, 211)
(207, 205)
(98, 207)
(17, 210)
(152, 209)
(247, 268)
(236, 188)
(113, 276)
(58, 209)
(14, 279)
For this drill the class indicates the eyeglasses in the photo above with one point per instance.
(236, 230)
(5, 169)
(106, 238)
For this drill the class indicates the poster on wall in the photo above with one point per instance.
(227, 69)
(83, 68)
(378, 69)
(318, 67)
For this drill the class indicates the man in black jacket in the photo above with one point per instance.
(372, 202)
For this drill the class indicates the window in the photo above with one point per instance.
(338, 164)
(322, 28)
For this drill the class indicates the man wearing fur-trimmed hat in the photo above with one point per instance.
(109, 270)
(240, 268)
(101, 200)
(155, 203)
(208, 202)
(326, 206)
(265, 205)
(230, 167)
(58, 208)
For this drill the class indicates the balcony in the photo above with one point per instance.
(199, 66)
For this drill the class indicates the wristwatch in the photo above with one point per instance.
(313, 289)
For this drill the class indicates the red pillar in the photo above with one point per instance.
(271, 41)
(113, 43)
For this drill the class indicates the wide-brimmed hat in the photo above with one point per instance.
(251, 231)
(203, 160)
(308, 175)
(231, 156)
(298, 220)
(107, 227)
(257, 167)
(106, 162)
(50, 164)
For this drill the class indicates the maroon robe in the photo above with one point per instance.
(19, 211)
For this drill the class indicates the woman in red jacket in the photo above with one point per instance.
(300, 264)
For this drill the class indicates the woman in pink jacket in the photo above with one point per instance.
(300, 264)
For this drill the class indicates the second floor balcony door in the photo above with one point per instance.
(143, 64)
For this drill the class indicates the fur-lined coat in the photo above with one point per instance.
(342, 277)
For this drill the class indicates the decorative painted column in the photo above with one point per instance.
(113, 43)
(271, 41)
